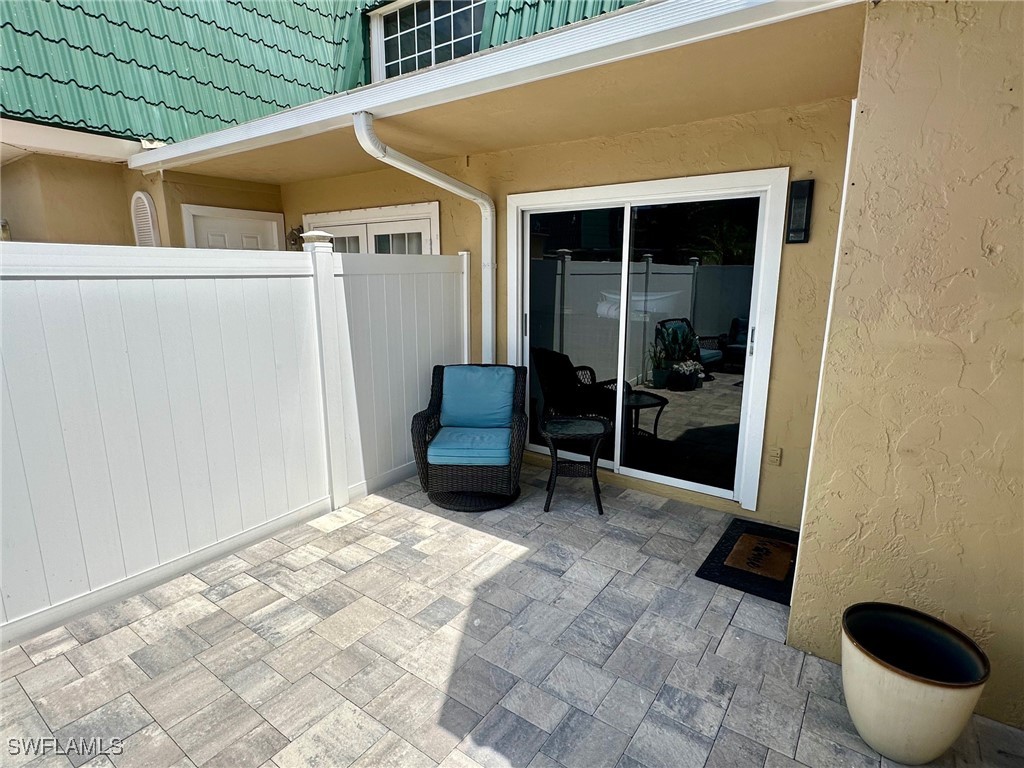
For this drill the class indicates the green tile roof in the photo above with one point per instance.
(511, 20)
(173, 69)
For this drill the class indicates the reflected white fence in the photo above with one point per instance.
(163, 406)
(576, 306)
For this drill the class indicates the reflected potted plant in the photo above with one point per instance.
(686, 376)
(680, 346)
(660, 369)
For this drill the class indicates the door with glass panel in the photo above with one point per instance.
(646, 312)
(398, 236)
(388, 237)
(348, 238)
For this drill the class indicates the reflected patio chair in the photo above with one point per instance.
(571, 390)
(706, 350)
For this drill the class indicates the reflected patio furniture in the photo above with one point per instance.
(734, 343)
(706, 350)
(469, 441)
(572, 390)
(637, 400)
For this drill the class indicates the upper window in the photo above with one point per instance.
(409, 35)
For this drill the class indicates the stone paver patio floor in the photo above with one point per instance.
(392, 633)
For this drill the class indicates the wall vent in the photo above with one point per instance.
(147, 234)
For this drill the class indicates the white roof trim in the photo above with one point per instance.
(632, 32)
(49, 140)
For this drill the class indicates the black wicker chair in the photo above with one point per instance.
(470, 487)
(734, 345)
(706, 350)
(571, 390)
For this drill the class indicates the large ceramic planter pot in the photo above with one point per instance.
(911, 681)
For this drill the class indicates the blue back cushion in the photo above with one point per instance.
(477, 396)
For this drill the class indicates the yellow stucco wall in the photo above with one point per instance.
(49, 199)
(811, 140)
(915, 489)
(172, 189)
(185, 188)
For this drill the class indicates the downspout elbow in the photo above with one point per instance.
(367, 137)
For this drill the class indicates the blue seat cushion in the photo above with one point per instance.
(470, 446)
(477, 396)
(709, 356)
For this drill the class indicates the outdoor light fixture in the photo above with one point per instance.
(798, 228)
(294, 239)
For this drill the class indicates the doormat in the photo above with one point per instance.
(754, 558)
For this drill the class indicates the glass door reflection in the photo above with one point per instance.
(690, 277)
(575, 268)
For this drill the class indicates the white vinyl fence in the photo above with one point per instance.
(162, 407)
(405, 314)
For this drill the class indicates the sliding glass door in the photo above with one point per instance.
(690, 279)
(645, 312)
(575, 259)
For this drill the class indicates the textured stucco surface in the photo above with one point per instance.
(915, 492)
(810, 140)
(51, 199)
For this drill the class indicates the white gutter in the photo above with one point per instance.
(363, 122)
(624, 34)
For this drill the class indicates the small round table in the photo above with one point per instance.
(591, 429)
(638, 400)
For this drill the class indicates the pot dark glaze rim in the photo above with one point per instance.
(928, 619)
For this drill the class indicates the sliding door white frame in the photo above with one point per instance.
(770, 186)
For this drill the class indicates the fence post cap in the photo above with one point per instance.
(316, 236)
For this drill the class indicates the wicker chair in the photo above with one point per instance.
(734, 344)
(571, 390)
(706, 350)
(463, 461)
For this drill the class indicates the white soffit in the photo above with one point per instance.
(628, 33)
(48, 140)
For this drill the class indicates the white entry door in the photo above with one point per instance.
(398, 229)
(211, 227)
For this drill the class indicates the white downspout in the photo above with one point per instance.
(375, 148)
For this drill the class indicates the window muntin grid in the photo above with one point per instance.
(430, 32)
(398, 243)
(346, 244)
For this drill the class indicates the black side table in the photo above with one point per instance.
(592, 429)
(638, 400)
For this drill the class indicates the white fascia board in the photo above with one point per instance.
(631, 32)
(49, 140)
